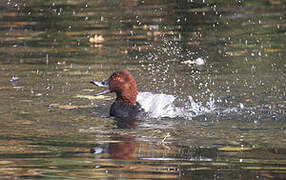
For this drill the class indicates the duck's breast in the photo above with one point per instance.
(119, 109)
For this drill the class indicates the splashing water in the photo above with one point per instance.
(164, 105)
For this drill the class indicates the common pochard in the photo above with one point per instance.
(124, 85)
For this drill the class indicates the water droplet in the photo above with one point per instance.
(259, 53)
(47, 58)
(241, 105)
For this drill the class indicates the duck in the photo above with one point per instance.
(123, 84)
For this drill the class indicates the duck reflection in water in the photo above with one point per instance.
(124, 147)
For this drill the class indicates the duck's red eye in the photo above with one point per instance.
(117, 78)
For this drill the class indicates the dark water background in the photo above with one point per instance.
(50, 50)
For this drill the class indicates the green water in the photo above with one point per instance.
(51, 128)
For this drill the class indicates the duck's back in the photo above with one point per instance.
(119, 109)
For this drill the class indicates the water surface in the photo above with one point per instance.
(51, 127)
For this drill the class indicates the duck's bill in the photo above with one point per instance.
(103, 92)
(101, 84)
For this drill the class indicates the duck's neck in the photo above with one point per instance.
(129, 98)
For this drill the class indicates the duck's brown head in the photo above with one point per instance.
(123, 84)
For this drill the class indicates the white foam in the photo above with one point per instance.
(162, 105)
(157, 105)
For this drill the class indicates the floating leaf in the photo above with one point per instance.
(1, 88)
(66, 106)
(124, 51)
(24, 112)
(27, 122)
(65, 70)
(18, 87)
(26, 100)
(88, 90)
(96, 39)
(248, 100)
(193, 43)
(62, 63)
(5, 162)
(73, 33)
(234, 149)
(144, 27)
(235, 53)
(93, 97)
(271, 50)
